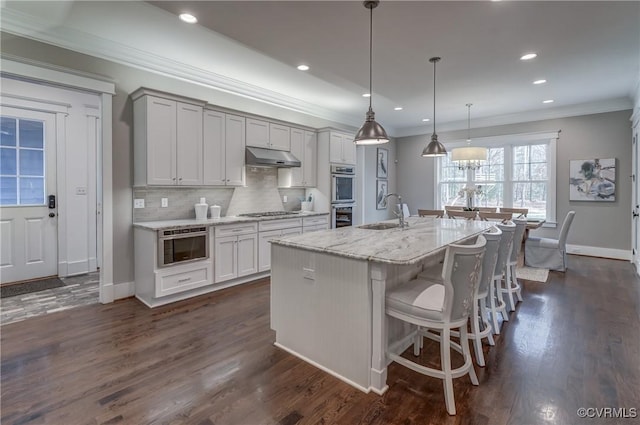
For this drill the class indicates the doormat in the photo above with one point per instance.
(533, 274)
(7, 291)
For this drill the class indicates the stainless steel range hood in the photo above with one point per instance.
(260, 157)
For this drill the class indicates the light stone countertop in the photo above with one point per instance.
(192, 222)
(425, 236)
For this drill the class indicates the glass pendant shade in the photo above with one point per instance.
(434, 148)
(371, 133)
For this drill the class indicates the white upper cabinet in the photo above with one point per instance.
(257, 133)
(263, 134)
(304, 146)
(168, 143)
(224, 143)
(279, 137)
(342, 150)
(235, 150)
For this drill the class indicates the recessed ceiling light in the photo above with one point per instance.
(426, 119)
(398, 108)
(303, 67)
(539, 81)
(528, 56)
(548, 101)
(366, 95)
(188, 18)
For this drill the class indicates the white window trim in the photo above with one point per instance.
(549, 137)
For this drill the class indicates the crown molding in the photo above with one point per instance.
(600, 107)
(28, 26)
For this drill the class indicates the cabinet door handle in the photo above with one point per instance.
(174, 179)
(187, 279)
(180, 179)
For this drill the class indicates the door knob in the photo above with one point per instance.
(635, 214)
(52, 214)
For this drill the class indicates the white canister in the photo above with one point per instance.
(215, 211)
(201, 209)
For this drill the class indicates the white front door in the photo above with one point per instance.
(28, 226)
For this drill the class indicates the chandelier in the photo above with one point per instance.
(469, 157)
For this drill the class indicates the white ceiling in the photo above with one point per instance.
(589, 52)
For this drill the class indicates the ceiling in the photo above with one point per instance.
(589, 53)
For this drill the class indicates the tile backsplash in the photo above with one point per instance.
(260, 194)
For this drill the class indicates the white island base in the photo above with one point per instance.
(327, 298)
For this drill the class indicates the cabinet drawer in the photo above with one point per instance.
(279, 224)
(173, 280)
(315, 228)
(236, 229)
(314, 221)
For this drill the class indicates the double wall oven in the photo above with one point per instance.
(343, 195)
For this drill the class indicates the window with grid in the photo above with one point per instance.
(516, 175)
(22, 178)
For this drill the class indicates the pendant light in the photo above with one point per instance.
(371, 133)
(434, 148)
(469, 157)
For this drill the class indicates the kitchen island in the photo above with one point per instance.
(328, 291)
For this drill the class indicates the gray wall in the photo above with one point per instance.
(369, 168)
(607, 135)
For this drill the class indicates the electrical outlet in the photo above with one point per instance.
(164, 202)
(138, 203)
(285, 199)
(81, 190)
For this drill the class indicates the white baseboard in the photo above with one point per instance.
(124, 290)
(594, 251)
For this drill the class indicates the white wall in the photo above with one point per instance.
(608, 135)
(76, 159)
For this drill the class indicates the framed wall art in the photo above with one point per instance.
(382, 157)
(592, 180)
(382, 186)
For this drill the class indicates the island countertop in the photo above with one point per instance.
(425, 236)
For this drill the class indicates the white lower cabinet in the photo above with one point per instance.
(235, 251)
(173, 280)
(314, 224)
(264, 247)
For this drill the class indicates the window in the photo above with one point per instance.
(519, 173)
(21, 162)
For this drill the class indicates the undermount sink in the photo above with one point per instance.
(379, 226)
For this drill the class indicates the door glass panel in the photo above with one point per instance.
(8, 191)
(31, 134)
(31, 162)
(22, 160)
(7, 131)
(31, 191)
(8, 161)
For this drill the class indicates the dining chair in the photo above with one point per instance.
(467, 215)
(453, 208)
(437, 308)
(431, 213)
(549, 253)
(511, 285)
(488, 209)
(495, 300)
(517, 212)
(494, 216)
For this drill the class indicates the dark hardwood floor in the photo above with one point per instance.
(574, 342)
